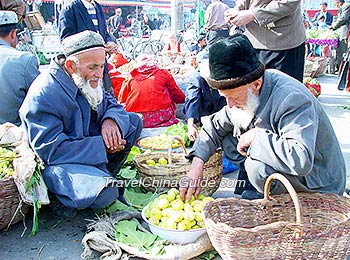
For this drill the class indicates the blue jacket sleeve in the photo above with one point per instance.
(193, 101)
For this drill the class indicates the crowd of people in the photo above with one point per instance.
(236, 82)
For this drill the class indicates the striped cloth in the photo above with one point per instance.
(90, 6)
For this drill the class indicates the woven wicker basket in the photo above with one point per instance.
(310, 226)
(9, 201)
(164, 177)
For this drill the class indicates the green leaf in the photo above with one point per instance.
(134, 151)
(128, 173)
(129, 235)
(138, 199)
(119, 206)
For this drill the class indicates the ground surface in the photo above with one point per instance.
(61, 239)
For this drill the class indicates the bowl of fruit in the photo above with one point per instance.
(174, 220)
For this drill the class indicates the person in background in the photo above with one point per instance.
(151, 92)
(323, 12)
(115, 22)
(147, 25)
(18, 69)
(259, 133)
(342, 25)
(81, 15)
(201, 100)
(173, 52)
(17, 6)
(201, 44)
(276, 30)
(115, 61)
(80, 132)
(128, 21)
(215, 24)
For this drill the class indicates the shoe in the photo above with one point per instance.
(58, 210)
(251, 195)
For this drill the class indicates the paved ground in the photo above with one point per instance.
(60, 239)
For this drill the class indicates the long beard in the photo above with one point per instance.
(243, 117)
(93, 96)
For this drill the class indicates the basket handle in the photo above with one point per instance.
(291, 191)
(170, 147)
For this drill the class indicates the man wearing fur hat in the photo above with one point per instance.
(271, 123)
(18, 69)
(82, 134)
(276, 30)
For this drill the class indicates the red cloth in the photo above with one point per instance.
(156, 91)
(117, 81)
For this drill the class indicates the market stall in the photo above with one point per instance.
(321, 47)
(44, 36)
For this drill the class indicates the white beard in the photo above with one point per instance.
(243, 117)
(93, 96)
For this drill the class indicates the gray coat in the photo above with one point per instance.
(18, 69)
(278, 24)
(343, 21)
(296, 139)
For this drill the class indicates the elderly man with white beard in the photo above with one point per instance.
(271, 123)
(80, 132)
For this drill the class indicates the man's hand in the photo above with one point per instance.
(238, 17)
(111, 47)
(192, 132)
(112, 137)
(191, 185)
(245, 140)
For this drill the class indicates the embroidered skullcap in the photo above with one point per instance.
(8, 18)
(81, 42)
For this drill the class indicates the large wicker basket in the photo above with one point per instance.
(9, 202)
(164, 177)
(310, 226)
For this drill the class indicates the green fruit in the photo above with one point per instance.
(150, 162)
(200, 196)
(156, 213)
(163, 203)
(153, 221)
(162, 161)
(188, 207)
(171, 224)
(189, 215)
(207, 199)
(198, 216)
(177, 204)
(183, 225)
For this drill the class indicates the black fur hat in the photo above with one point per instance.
(233, 62)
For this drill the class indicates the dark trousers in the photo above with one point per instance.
(289, 61)
(214, 35)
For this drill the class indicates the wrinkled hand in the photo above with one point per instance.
(112, 137)
(246, 140)
(111, 47)
(238, 17)
(191, 184)
(192, 132)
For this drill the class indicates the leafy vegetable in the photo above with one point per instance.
(128, 173)
(138, 199)
(6, 160)
(126, 232)
(134, 151)
(180, 130)
(117, 206)
(34, 181)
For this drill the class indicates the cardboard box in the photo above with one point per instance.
(34, 20)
